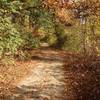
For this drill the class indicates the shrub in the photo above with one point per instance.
(10, 38)
(30, 42)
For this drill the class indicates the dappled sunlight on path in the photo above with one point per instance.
(45, 82)
(58, 76)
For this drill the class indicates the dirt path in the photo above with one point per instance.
(49, 80)
(44, 82)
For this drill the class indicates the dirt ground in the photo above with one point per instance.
(51, 75)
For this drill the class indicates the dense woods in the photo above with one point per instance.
(71, 26)
(67, 25)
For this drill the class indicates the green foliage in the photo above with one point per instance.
(34, 3)
(15, 6)
(60, 34)
(31, 3)
(3, 1)
(10, 38)
(47, 26)
(46, 21)
(72, 42)
(30, 42)
(7, 61)
(52, 39)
